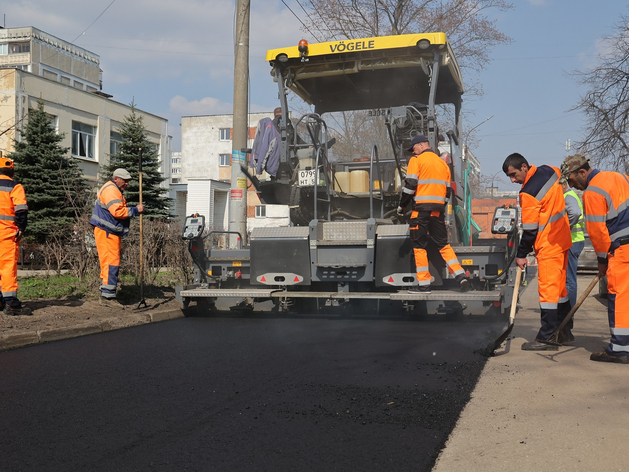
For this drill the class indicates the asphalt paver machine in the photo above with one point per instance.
(345, 246)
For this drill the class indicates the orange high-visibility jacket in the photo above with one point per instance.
(427, 181)
(606, 215)
(545, 225)
(13, 207)
(111, 213)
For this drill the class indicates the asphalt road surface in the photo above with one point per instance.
(242, 393)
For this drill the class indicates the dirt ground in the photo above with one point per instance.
(56, 314)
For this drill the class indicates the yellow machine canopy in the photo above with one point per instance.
(370, 73)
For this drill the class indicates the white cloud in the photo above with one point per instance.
(180, 105)
(172, 58)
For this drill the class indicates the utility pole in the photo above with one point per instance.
(238, 192)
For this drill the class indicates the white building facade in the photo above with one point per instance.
(37, 66)
(206, 147)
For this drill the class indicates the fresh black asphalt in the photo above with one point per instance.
(235, 392)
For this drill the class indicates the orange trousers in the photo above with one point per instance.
(108, 246)
(553, 295)
(618, 301)
(9, 253)
(425, 225)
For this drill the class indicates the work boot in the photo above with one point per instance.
(17, 311)
(538, 345)
(419, 289)
(603, 356)
(464, 284)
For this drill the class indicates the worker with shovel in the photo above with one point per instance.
(111, 222)
(606, 205)
(545, 228)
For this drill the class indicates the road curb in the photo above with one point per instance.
(15, 341)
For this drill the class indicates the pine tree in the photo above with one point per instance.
(55, 189)
(133, 139)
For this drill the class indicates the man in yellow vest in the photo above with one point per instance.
(574, 209)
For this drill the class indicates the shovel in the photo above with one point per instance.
(514, 304)
(553, 339)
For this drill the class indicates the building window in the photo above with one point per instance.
(83, 137)
(19, 48)
(176, 160)
(225, 160)
(225, 134)
(115, 143)
(4, 49)
(65, 80)
(175, 170)
(260, 211)
(174, 181)
(78, 85)
(50, 75)
(53, 121)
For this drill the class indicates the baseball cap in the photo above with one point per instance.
(571, 164)
(420, 138)
(122, 173)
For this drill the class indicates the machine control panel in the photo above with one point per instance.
(505, 220)
(193, 227)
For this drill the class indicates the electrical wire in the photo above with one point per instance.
(92, 23)
(308, 14)
(299, 19)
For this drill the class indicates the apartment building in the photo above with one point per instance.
(206, 147)
(67, 79)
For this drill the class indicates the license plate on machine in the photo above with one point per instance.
(307, 178)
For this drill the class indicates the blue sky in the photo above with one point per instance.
(176, 59)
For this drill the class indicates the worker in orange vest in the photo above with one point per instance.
(13, 219)
(111, 218)
(606, 205)
(427, 183)
(545, 229)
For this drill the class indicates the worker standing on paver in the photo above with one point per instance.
(606, 202)
(545, 228)
(427, 182)
(574, 209)
(111, 220)
(13, 219)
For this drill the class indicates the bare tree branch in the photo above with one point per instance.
(606, 103)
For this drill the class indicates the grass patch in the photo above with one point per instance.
(69, 287)
(54, 286)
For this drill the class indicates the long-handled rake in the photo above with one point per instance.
(142, 300)
(554, 338)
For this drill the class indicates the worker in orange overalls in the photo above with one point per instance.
(111, 220)
(546, 229)
(606, 205)
(427, 183)
(13, 219)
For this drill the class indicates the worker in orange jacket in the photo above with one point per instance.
(606, 205)
(111, 218)
(13, 219)
(545, 229)
(427, 183)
